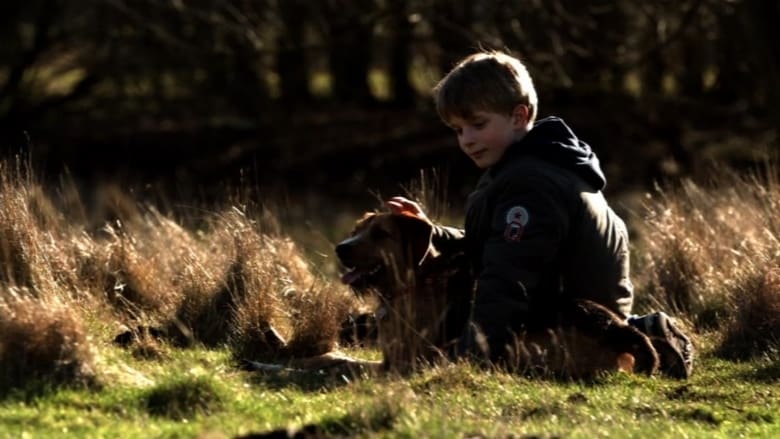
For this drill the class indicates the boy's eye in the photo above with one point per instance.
(458, 130)
(479, 124)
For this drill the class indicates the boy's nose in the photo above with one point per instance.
(466, 144)
(467, 138)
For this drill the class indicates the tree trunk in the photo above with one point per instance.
(291, 62)
(451, 24)
(350, 28)
(400, 55)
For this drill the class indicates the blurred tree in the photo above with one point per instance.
(758, 20)
(291, 63)
(199, 76)
(33, 33)
(400, 54)
(451, 21)
(348, 27)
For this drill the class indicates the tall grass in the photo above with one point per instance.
(42, 337)
(710, 253)
(707, 253)
(38, 248)
(232, 281)
(42, 340)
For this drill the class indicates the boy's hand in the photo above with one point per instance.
(406, 206)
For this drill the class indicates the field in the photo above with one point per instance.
(198, 393)
(75, 274)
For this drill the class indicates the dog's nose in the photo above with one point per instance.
(345, 249)
(342, 250)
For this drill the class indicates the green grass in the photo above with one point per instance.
(723, 399)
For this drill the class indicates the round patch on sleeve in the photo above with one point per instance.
(516, 219)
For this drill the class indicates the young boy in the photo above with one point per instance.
(538, 229)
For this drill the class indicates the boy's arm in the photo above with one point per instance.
(448, 239)
(444, 238)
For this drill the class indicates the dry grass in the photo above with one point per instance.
(708, 254)
(42, 340)
(225, 283)
(41, 295)
(755, 326)
(274, 287)
(37, 247)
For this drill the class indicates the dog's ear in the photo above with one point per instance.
(362, 222)
(417, 234)
(367, 216)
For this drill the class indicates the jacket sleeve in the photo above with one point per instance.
(448, 239)
(528, 222)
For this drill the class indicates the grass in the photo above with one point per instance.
(217, 284)
(724, 399)
(710, 254)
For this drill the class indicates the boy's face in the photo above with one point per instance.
(485, 136)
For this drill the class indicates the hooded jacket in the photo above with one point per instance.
(539, 232)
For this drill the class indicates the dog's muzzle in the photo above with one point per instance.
(357, 274)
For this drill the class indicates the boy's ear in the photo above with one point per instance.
(520, 115)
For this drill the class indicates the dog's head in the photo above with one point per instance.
(384, 251)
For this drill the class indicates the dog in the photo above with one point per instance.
(424, 305)
(426, 296)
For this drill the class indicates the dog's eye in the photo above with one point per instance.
(377, 233)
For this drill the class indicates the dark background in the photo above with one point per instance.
(332, 97)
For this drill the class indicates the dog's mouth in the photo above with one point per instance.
(361, 276)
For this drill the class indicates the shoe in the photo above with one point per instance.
(675, 349)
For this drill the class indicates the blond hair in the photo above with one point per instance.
(485, 81)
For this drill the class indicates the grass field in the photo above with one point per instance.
(216, 284)
(198, 393)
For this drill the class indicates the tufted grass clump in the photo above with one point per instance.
(710, 253)
(43, 341)
(185, 397)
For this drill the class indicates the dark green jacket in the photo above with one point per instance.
(539, 231)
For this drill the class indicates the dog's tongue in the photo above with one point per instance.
(350, 277)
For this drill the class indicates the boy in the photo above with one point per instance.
(538, 229)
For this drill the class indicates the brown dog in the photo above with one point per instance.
(426, 297)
